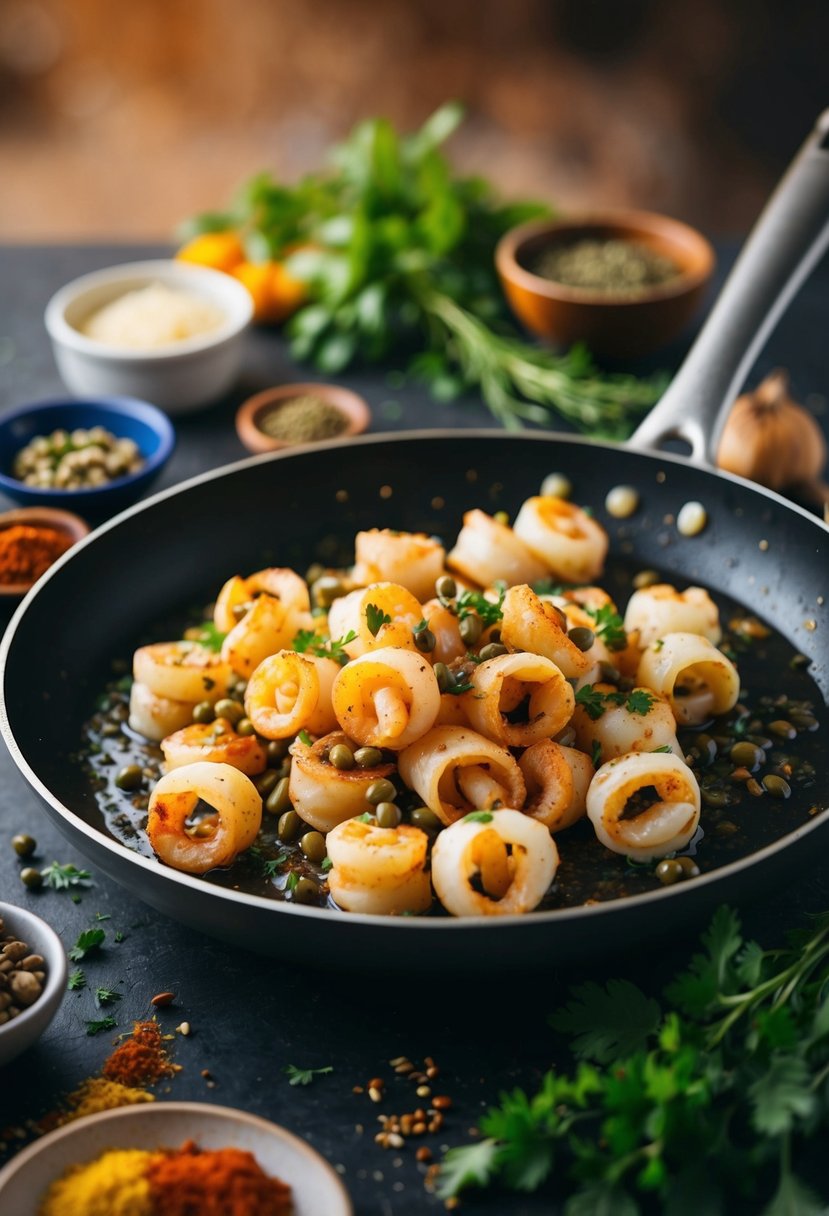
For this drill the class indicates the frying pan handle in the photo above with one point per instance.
(783, 247)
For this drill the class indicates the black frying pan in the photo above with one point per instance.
(181, 544)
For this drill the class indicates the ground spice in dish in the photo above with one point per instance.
(219, 1182)
(611, 266)
(97, 1094)
(27, 551)
(302, 420)
(114, 1185)
(141, 1060)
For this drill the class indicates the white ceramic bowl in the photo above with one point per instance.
(179, 378)
(26, 1028)
(317, 1190)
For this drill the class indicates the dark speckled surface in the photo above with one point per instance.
(251, 1017)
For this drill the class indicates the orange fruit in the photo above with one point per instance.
(276, 295)
(218, 250)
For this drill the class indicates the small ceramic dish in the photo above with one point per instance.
(124, 417)
(317, 1190)
(21, 1032)
(180, 376)
(66, 522)
(251, 415)
(614, 325)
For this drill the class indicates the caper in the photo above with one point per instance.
(277, 750)
(446, 588)
(746, 755)
(669, 871)
(804, 721)
(31, 878)
(129, 777)
(689, 867)
(327, 589)
(782, 728)
(491, 651)
(341, 756)
(203, 712)
(778, 787)
(306, 891)
(501, 517)
(608, 674)
(24, 845)
(704, 748)
(266, 781)
(231, 710)
(470, 628)
(425, 641)
(313, 846)
(443, 676)
(714, 797)
(582, 637)
(388, 814)
(245, 727)
(368, 757)
(279, 799)
(379, 791)
(424, 818)
(289, 827)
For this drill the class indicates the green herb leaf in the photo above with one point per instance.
(471, 1165)
(606, 1022)
(592, 700)
(478, 817)
(376, 619)
(639, 701)
(106, 1023)
(320, 644)
(471, 603)
(209, 636)
(106, 996)
(305, 738)
(596, 753)
(304, 1076)
(609, 626)
(293, 881)
(63, 877)
(87, 942)
(76, 981)
(666, 748)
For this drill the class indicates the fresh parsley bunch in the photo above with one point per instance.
(398, 255)
(682, 1110)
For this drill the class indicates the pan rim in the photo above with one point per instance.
(150, 866)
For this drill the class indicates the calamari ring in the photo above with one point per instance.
(232, 795)
(290, 692)
(217, 742)
(661, 828)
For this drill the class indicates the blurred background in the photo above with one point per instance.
(119, 120)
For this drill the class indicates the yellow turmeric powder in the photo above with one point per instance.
(114, 1185)
(97, 1094)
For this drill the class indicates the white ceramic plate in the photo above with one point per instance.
(316, 1187)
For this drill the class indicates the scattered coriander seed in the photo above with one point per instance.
(24, 845)
(622, 502)
(183, 1029)
(556, 485)
(691, 519)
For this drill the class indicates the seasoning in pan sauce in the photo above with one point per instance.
(754, 764)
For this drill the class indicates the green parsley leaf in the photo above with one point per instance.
(606, 1022)
(593, 701)
(304, 1076)
(62, 878)
(471, 603)
(321, 645)
(305, 738)
(782, 1094)
(666, 747)
(596, 753)
(76, 981)
(293, 881)
(106, 1023)
(87, 942)
(326, 864)
(209, 636)
(118, 936)
(639, 701)
(376, 619)
(470, 1165)
(793, 1198)
(366, 817)
(478, 817)
(272, 865)
(102, 916)
(608, 625)
(106, 996)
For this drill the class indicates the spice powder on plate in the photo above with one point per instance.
(612, 267)
(302, 420)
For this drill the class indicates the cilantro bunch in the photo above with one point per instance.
(682, 1110)
(397, 252)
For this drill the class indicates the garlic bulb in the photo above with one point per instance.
(771, 439)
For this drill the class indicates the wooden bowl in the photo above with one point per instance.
(249, 416)
(41, 517)
(613, 325)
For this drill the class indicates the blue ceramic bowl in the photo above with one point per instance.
(124, 417)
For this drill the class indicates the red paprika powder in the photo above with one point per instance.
(27, 551)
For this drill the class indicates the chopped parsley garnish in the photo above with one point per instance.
(476, 602)
(596, 753)
(209, 636)
(87, 942)
(366, 817)
(608, 625)
(61, 878)
(305, 738)
(106, 996)
(293, 880)
(594, 702)
(666, 747)
(304, 1076)
(478, 817)
(76, 981)
(376, 618)
(106, 1023)
(321, 645)
(420, 626)
(326, 863)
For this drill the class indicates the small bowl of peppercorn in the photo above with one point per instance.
(31, 540)
(624, 283)
(32, 979)
(295, 414)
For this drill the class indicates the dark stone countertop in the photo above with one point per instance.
(251, 1017)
